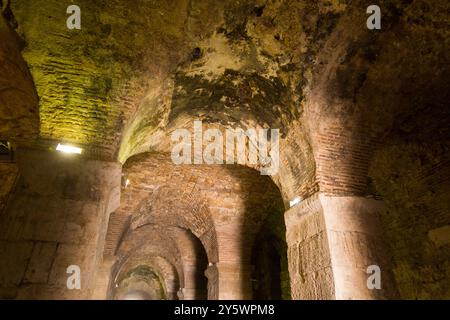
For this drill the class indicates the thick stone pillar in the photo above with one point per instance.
(56, 217)
(331, 243)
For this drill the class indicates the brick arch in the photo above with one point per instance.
(296, 175)
(143, 243)
(183, 211)
(143, 279)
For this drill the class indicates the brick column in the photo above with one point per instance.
(56, 217)
(331, 243)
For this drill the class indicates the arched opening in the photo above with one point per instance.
(195, 263)
(141, 283)
(151, 264)
(136, 295)
(266, 275)
(201, 259)
(270, 274)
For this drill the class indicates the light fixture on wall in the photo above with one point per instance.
(125, 182)
(6, 151)
(68, 149)
(294, 202)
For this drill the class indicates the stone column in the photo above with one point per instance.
(56, 217)
(331, 243)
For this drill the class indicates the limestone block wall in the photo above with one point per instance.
(56, 217)
(309, 255)
(331, 243)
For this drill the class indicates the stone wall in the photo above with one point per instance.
(308, 252)
(414, 181)
(331, 243)
(56, 217)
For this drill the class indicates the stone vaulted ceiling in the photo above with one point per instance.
(137, 68)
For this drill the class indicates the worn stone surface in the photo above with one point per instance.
(334, 240)
(414, 180)
(309, 256)
(355, 241)
(55, 218)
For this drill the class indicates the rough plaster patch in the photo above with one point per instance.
(219, 56)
